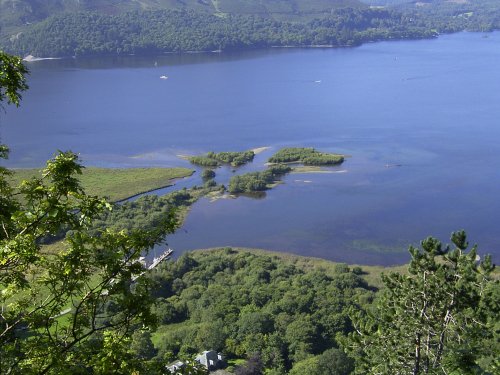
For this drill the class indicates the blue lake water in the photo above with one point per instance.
(431, 106)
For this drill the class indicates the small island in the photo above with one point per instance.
(213, 159)
(306, 156)
(257, 181)
(278, 166)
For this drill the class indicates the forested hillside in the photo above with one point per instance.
(156, 32)
(244, 304)
(21, 12)
(65, 28)
(292, 315)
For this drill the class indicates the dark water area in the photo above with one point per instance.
(430, 106)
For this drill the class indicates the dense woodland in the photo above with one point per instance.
(247, 305)
(154, 32)
(188, 29)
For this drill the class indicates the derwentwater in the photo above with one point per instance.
(420, 121)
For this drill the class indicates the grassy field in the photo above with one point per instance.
(118, 184)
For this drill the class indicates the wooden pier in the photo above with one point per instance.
(166, 254)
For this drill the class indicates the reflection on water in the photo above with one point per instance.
(153, 61)
(430, 107)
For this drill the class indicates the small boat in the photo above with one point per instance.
(163, 77)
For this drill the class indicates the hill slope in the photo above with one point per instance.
(21, 12)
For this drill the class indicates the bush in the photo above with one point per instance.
(257, 181)
(307, 156)
(213, 159)
(207, 174)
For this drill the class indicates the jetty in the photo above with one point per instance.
(156, 261)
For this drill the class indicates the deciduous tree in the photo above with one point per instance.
(12, 78)
(69, 308)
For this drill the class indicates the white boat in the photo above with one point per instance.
(163, 77)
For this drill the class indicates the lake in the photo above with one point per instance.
(429, 106)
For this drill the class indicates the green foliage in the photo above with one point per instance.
(149, 211)
(257, 181)
(234, 158)
(306, 366)
(154, 32)
(452, 16)
(334, 362)
(207, 174)
(199, 25)
(141, 345)
(204, 161)
(114, 358)
(54, 305)
(12, 78)
(117, 183)
(330, 362)
(438, 319)
(245, 304)
(253, 366)
(20, 12)
(213, 159)
(306, 156)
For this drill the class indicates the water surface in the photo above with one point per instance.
(430, 106)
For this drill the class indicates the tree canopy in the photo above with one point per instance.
(12, 78)
(441, 318)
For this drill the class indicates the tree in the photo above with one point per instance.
(435, 320)
(61, 298)
(12, 78)
(253, 366)
(334, 362)
(306, 366)
(142, 346)
(207, 174)
(301, 337)
(69, 307)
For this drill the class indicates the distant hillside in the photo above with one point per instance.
(103, 27)
(17, 13)
(161, 31)
(280, 7)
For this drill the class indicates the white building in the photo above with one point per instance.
(210, 359)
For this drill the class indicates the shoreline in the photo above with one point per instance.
(118, 185)
(171, 183)
(222, 52)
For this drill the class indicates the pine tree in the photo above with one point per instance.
(435, 320)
